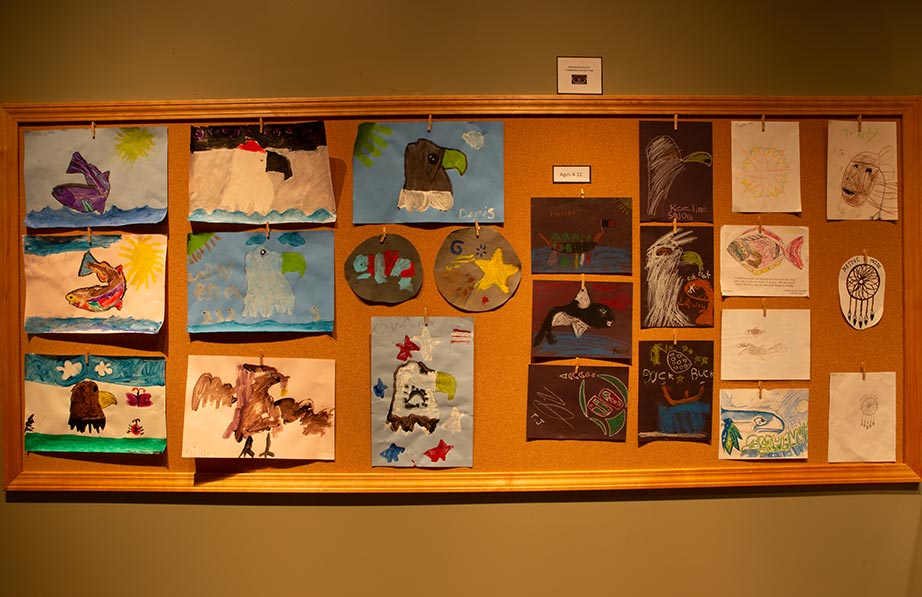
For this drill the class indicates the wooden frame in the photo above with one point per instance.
(87, 477)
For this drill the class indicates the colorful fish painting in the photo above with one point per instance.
(87, 197)
(765, 261)
(101, 297)
(760, 250)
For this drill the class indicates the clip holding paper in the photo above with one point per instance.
(859, 123)
(674, 226)
(93, 128)
(764, 309)
(383, 233)
(582, 193)
(576, 366)
(582, 281)
(260, 357)
(267, 230)
(675, 122)
(675, 338)
(426, 316)
(759, 220)
(864, 374)
(429, 124)
(89, 236)
(476, 228)
(763, 123)
(86, 357)
(260, 125)
(865, 254)
(760, 389)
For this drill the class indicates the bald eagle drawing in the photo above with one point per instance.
(87, 402)
(426, 182)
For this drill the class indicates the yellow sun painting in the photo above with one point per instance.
(133, 143)
(144, 259)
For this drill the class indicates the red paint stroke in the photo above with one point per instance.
(459, 336)
(439, 452)
(251, 145)
(406, 349)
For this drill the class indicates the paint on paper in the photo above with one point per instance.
(677, 282)
(862, 417)
(477, 270)
(453, 173)
(246, 282)
(570, 319)
(765, 261)
(421, 391)
(99, 284)
(384, 269)
(581, 235)
(676, 391)
(676, 163)
(281, 408)
(759, 344)
(92, 403)
(862, 285)
(862, 171)
(74, 180)
(584, 403)
(763, 424)
(247, 174)
(766, 166)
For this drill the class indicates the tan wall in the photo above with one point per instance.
(842, 542)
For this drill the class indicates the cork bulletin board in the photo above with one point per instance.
(539, 133)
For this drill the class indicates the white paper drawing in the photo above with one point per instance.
(862, 417)
(862, 171)
(766, 166)
(764, 261)
(767, 344)
(862, 281)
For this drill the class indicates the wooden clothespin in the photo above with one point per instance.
(760, 389)
(763, 123)
(675, 122)
(260, 357)
(675, 338)
(426, 316)
(429, 124)
(93, 129)
(864, 374)
(674, 226)
(89, 235)
(764, 309)
(260, 125)
(759, 220)
(576, 366)
(859, 123)
(267, 230)
(582, 193)
(476, 228)
(582, 281)
(86, 357)
(383, 233)
(865, 254)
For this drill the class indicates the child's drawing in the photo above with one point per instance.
(76, 178)
(384, 269)
(251, 281)
(765, 261)
(90, 403)
(403, 172)
(676, 389)
(766, 166)
(677, 282)
(580, 403)
(862, 171)
(862, 417)
(677, 163)
(259, 408)
(570, 319)
(862, 282)
(94, 284)
(247, 174)
(477, 269)
(762, 344)
(757, 424)
(585, 235)
(422, 383)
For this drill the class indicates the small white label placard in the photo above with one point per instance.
(568, 174)
(579, 74)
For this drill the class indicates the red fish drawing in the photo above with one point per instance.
(104, 296)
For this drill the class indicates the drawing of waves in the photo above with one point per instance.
(76, 325)
(604, 260)
(589, 346)
(113, 216)
(42, 442)
(261, 326)
(320, 216)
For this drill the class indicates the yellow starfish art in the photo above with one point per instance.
(496, 272)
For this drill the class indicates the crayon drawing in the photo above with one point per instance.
(477, 270)
(90, 403)
(74, 179)
(759, 344)
(584, 403)
(99, 284)
(585, 235)
(765, 261)
(757, 424)
(862, 171)
(677, 281)
(453, 173)
(862, 417)
(384, 269)
(574, 320)
(249, 174)
(676, 391)
(246, 281)
(259, 408)
(677, 165)
(766, 166)
(422, 383)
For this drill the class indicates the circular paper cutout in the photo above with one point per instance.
(477, 272)
(384, 271)
(861, 291)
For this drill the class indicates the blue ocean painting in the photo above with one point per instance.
(77, 179)
(92, 403)
(100, 283)
(452, 173)
(251, 282)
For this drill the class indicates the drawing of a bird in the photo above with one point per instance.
(664, 281)
(87, 402)
(426, 182)
(664, 163)
(267, 289)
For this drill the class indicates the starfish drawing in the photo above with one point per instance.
(496, 272)
(439, 452)
(392, 453)
(406, 349)
(426, 343)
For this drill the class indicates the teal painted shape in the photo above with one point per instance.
(41, 442)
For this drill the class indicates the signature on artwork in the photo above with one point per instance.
(552, 406)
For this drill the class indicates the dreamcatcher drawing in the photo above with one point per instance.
(869, 406)
(861, 291)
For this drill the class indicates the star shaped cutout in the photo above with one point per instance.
(496, 272)
(392, 453)
(426, 343)
(406, 349)
(439, 452)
